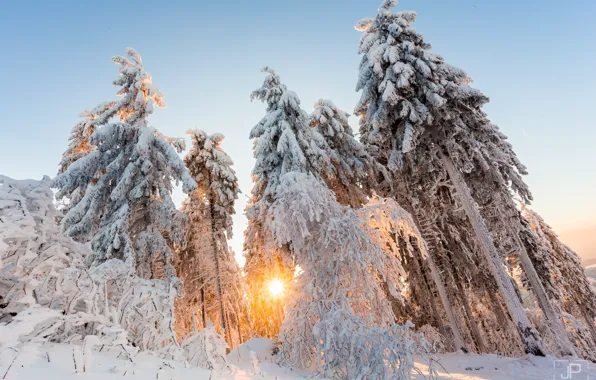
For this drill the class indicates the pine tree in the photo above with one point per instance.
(127, 211)
(283, 142)
(355, 172)
(420, 114)
(210, 209)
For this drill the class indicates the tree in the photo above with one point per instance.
(340, 321)
(80, 146)
(419, 113)
(42, 271)
(563, 276)
(283, 142)
(355, 173)
(210, 209)
(127, 211)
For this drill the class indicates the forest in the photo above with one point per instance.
(410, 237)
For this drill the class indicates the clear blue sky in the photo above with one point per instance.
(535, 59)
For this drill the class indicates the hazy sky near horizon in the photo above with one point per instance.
(536, 60)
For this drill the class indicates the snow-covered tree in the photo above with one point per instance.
(283, 142)
(208, 264)
(127, 211)
(420, 118)
(41, 269)
(206, 349)
(79, 146)
(340, 321)
(564, 278)
(37, 265)
(355, 172)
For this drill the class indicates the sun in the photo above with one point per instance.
(276, 288)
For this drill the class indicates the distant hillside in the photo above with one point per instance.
(582, 241)
(589, 262)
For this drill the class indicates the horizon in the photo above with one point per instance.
(524, 73)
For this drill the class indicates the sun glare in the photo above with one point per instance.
(276, 288)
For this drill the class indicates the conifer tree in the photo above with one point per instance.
(355, 173)
(127, 212)
(420, 114)
(207, 256)
(563, 276)
(80, 146)
(283, 142)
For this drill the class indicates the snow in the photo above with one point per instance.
(55, 361)
(262, 347)
(494, 367)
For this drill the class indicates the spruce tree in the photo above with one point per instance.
(209, 210)
(127, 212)
(283, 142)
(562, 274)
(420, 114)
(355, 173)
(79, 146)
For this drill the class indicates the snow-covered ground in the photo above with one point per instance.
(251, 361)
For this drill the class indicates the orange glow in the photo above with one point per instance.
(276, 288)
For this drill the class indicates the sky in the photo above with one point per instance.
(536, 60)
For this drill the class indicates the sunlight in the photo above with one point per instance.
(276, 288)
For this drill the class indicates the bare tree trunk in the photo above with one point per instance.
(526, 331)
(552, 318)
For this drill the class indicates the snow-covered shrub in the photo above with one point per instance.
(37, 265)
(340, 322)
(144, 308)
(205, 349)
(39, 268)
(434, 338)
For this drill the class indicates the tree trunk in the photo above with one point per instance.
(553, 319)
(457, 337)
(476, 336)
(436, 276)
(240, 340)
(589, 320)
(526, 331)
(222, 317)
(229, 332)
(433, 305)
(502, 320)
(203, 307)
(473, 325)
(214, 235)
